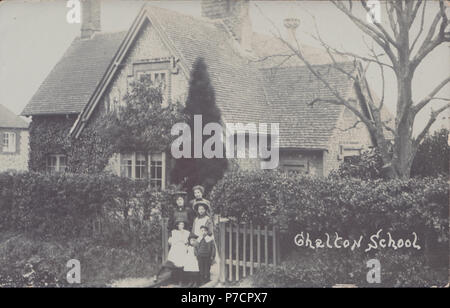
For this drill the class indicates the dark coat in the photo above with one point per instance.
(205, 248)
(186, 214)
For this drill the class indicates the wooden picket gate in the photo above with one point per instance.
(244, 248)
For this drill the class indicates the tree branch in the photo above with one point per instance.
(433, 117)
(369, 30)
(430, 43)
(390, 11)
(384, 34)
(422, 21)
(430, 96)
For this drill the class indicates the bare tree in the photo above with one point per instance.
(404, 52)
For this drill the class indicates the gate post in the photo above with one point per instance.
(222, 230)
(164, 239)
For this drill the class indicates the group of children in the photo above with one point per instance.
(191, 253)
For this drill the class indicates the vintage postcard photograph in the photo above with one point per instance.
(198, 147)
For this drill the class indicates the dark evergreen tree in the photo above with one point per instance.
(201, 101)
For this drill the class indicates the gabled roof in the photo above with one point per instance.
(245, 89)
(74, 78)
(9, 120)
(236, 81)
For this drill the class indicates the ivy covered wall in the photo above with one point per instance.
(50, 135)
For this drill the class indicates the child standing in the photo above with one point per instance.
(206, 252)
(177, 253)
(202, 209)
(191, 269)
(198, 191)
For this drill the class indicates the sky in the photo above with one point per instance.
(35, 34)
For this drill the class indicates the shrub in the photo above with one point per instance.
(111, 224)
(351, 207)
(433, 154)
(67, 206)
(369, 165)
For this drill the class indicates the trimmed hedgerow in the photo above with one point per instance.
(111, 224)
(67, 206)
(352, 208)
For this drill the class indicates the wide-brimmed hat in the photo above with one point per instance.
(199, 187)
(203, 202)
(179, 193)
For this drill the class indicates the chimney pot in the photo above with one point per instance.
(234, 14)
(90, 18)
(291, 24)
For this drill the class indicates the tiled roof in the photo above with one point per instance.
(246, 90)
(290, 92)
(237, 82)
(9, 120)
(74, 78)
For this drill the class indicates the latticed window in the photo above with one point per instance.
(126, 165)
(56, 163)
(156, 170)
(9, 142)
(141, 166)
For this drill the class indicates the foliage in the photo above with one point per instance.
(369, 165)
(328, 268)
(142, 123)
(201, 101)
(350, 207)
(433, 154)
(75, 205)
(111, 224)
(29, 262)
(431, 159)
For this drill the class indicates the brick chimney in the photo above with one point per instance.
(90, 18)
(235, 16)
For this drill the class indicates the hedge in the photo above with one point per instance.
(350, 207)
(115, 210)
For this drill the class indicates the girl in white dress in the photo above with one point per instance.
(178, 241)
(177, 252)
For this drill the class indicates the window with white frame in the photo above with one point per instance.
(140, 166)
(56, 163)
(9, 142)
(156, 174)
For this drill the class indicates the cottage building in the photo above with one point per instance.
(14, 141)
(251, 86)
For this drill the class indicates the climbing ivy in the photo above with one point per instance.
(139, 123)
